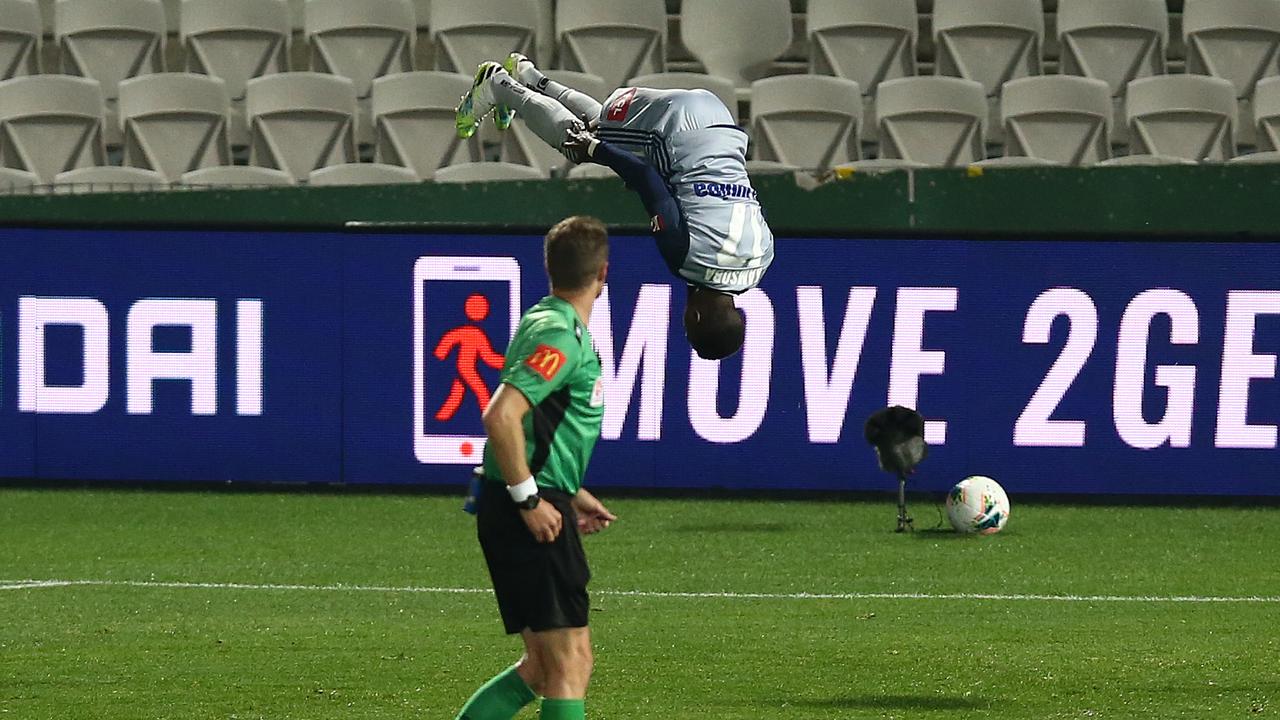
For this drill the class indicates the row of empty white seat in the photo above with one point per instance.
(990, 41)
(174, 124)
(1051, 119)
(114, 178)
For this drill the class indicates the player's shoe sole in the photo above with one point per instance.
(479, 102)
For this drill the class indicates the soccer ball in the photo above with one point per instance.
(978, 504)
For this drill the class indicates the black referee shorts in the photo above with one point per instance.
(539, 586)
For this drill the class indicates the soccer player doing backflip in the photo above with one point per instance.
(681, 151)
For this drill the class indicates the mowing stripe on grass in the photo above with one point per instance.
(38, 584)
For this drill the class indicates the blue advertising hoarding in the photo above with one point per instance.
(1053, 366)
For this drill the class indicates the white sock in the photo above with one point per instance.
(548, 119)
(583, 106)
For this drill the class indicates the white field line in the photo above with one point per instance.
(52, 583)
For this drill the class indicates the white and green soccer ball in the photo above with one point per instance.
(978, 504)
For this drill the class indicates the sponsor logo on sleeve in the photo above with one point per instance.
(618, 111)
(546, 361)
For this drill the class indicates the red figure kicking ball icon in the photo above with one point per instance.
(473, 347)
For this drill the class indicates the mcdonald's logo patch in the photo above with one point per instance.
(546, 361)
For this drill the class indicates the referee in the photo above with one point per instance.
(542, 425)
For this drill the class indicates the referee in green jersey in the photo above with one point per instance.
(542, 425)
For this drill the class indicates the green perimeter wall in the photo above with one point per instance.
(1103, 202)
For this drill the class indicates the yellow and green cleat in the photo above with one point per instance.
(512, 64)
(479, 102)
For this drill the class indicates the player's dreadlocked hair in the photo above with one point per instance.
(575, 250)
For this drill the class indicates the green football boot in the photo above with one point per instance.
(525, 72)
(512, 66)
(479, 102)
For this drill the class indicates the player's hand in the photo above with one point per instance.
(544, 521)
(579, 144)
(593, 516)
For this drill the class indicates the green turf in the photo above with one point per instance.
(193, 653)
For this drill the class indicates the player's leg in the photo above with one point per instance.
(479, 102)
(506, 545)
(579, 103)
(548, 119)
(500, 698)
(565, 669)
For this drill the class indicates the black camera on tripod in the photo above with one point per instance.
(897, 434)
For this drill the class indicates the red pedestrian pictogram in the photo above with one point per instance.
(474, 347)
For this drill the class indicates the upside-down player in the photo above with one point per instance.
(691, 175)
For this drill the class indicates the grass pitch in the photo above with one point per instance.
(1147, 619)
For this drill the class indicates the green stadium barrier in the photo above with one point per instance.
(1104, 202)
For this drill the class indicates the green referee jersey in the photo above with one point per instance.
(551, 361)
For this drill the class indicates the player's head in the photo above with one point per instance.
(577, 255)
(713, 324)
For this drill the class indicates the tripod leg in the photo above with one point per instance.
(904, 521)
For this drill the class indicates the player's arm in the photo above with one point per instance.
(504, 427)
(640, 177)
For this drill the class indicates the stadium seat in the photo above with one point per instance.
(361, 41)
(585, 171)
(722, 87)
(1237, 40)
(364, 174)
(1059, 118)
(1266, 113)
(1187, 117)
(487, 172)
(109, 179)
(990, 42)
(466, 34)
(867, 42)
(50, 124)
(1268, 157)
(614, 39)
(20, 38)
(736, 39)
(299, 122)
(109, 42)
(414, 120)
(1014, 162)
(1266, 123)
(769, 167)
(544, 41)
(933, 121)
(236, 40)
(521, 146)
(237, 176)
(1116, 42)
(809, 121)
(1145, 160)
(175, 122)
(12, 180)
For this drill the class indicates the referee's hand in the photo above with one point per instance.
(544, 521)
(593, 516)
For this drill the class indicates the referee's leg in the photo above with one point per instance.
(557, 663)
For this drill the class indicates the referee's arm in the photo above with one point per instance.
(504, 426)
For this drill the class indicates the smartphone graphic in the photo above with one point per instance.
(465, 312)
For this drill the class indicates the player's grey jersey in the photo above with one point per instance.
(692, 140)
